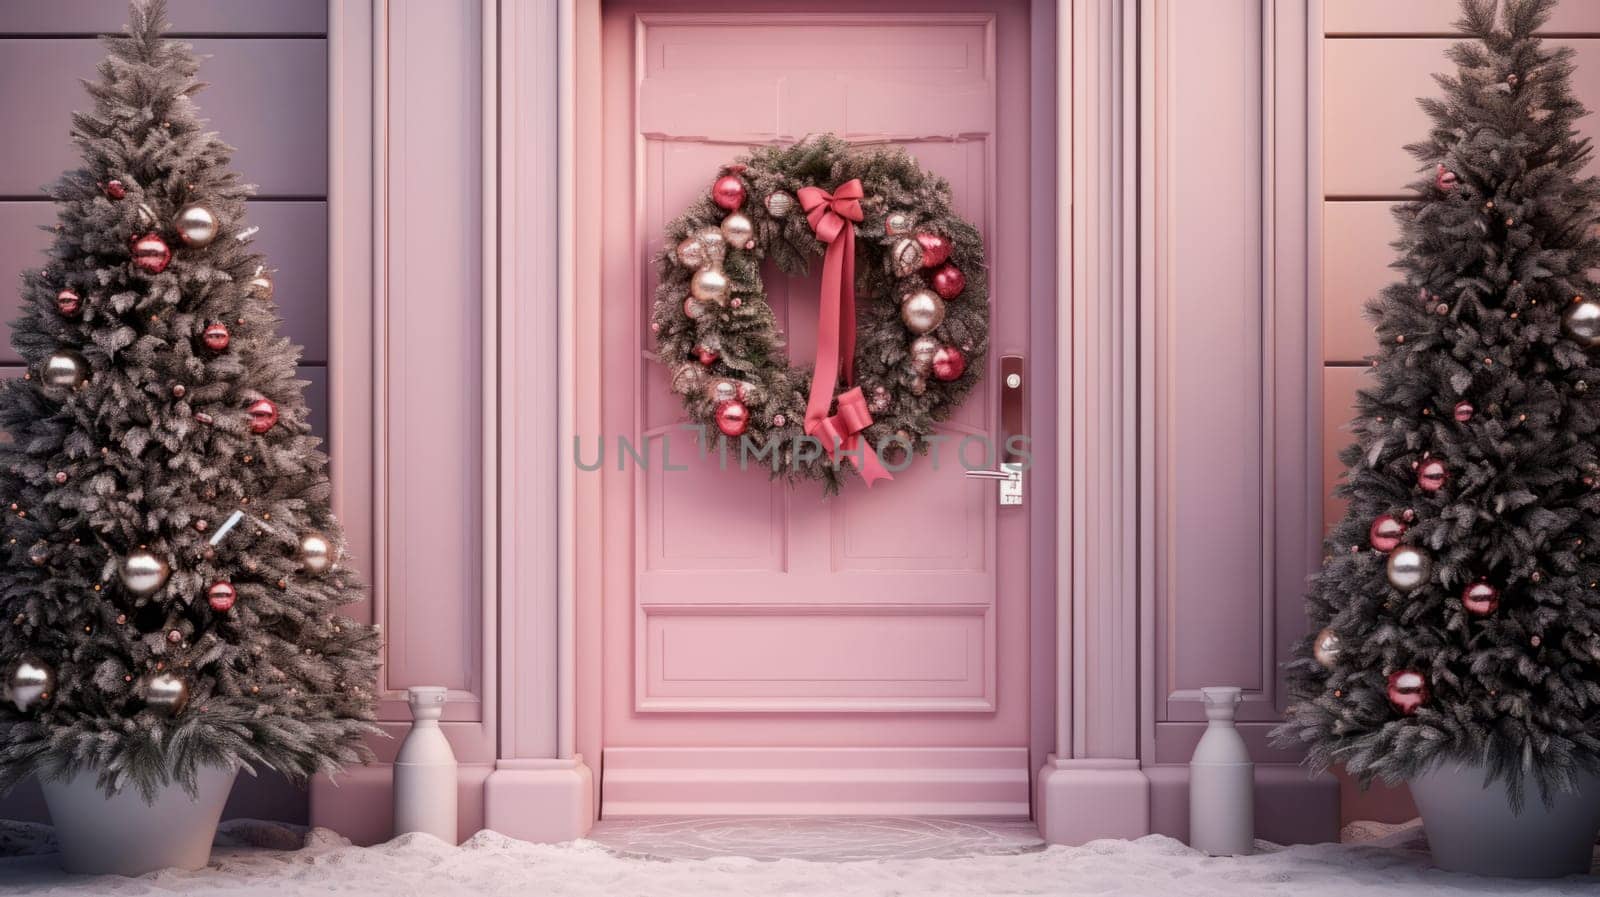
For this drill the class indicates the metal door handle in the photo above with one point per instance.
(1012, 417)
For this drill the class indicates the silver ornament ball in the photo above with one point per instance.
(261, 284)
(196, 225)
(780, 204)
(709, 285)
(896, 224)
(722, 390)
(316, 553)
(1582, 323)
(64, 370)
(1327, 646)
(29, 683)
(143, 573)
(166, 693)
(906, 255)
(691, 253)
(1410, 568)
(922, 311)
(923, 348)
(716, 247)
(739, 231)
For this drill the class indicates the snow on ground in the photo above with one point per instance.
(490, 865)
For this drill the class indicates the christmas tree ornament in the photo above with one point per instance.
(143, 572)
(68, 303)
(694, 309)
(174, 637)
(707, 355)
(316, 553)
(39, 553)
(735, 302)
(165, 693)
(115, 190)
(220, 596)
(709, 285)
(728, 192)
(1409, 568)
(263, 414)
(733, 418)
(896, 224)
(716, 248)
(1432, 475)
(64, 370)
(1326, 646)
(922, 311)
(196, 225)
(29, 683)
(738, 231)
(61, 476)
(223, 530)
(935, 248)
(260, 285)
(145, 216)
(751, 393)
(1480, 598)
(688, 379)
(1385, 532)
(779, 204)
(691, 253)
(948, 363)
(779, 420)
(1581, 322)
(923, 348)
(151, 254)
(244, 236)
(722, 390)
(905, 256)
(1463, 412)
(215, 336)
(948, 281)
(1445, 179)
(1408, 691)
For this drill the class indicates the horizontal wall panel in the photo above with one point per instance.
(1355, 268)
(316, 395)
(1437, 17)
(268, 98)
(90, 17)
(1370, 108)
(293, 237)
(1339, 386)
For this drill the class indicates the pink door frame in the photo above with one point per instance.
(1109, 719)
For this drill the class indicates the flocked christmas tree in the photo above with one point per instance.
(1457, 615)
(145, 629)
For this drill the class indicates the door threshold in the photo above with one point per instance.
(829, 839)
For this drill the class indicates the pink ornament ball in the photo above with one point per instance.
(728, 192)
(1431, 476)
(935, 248)
(948, 282)
(1385, 532)
(948, 363)
(733, 418)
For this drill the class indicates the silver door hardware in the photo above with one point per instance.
(1012, 410)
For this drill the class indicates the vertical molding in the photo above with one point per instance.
(489, 348)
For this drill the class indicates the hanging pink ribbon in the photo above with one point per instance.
(833, 217)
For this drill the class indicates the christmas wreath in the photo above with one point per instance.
(905, 358)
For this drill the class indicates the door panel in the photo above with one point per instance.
(753, 614)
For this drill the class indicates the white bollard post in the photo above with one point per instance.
(425, 771)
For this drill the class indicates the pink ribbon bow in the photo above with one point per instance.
(833, 217)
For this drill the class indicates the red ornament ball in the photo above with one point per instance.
(935, 248)
(1480, 599)
(115, 189)
(1464, 411)
(1386, 532)
(174, 636)
(1445, 179)
(151, 254)
(733, 418)
(68, 303)
(707, 355)
(263, 415)
(948, 363)
(215, 336)
(221, 596)
(1432, 474)
(728, 192)
(1408, 690)
(948, 282)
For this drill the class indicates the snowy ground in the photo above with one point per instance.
(490, 864)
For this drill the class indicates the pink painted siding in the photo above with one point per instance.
(1378, 57)
(268, 98)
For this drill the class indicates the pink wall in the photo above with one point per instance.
(1377, 58)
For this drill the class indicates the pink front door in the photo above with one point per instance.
(765, 649)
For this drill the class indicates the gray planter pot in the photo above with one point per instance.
(123, 835)
(1471, 828)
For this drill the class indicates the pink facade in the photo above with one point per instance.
(1184, 204)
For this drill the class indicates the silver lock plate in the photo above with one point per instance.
(1011, 486)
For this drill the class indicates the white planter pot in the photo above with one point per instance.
(1472, 828)
(123, 835)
